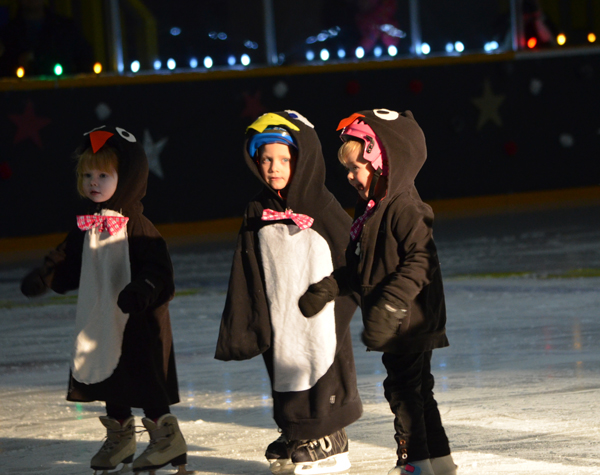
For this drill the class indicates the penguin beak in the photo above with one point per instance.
(98, 138)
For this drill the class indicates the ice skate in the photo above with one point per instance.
(118, 448)
(279, 455)
(328, 454)
(443, 465)
(167, 445)
(420, 467)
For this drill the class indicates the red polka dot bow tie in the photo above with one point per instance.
(301, 220)
(112, 224)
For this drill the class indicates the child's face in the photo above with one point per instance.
(276, 165)
(360, 172)
(98, 185)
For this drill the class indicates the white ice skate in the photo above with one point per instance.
(167, 446)
(444, 465)
(328, 454)
(118, 448)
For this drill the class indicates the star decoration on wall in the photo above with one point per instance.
(488, 105)
(153, 151)
(253, 107)
(29, 125)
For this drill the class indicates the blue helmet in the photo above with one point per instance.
(270, 135)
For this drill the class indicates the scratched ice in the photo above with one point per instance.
(519, 387)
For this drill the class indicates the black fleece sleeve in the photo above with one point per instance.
(412, 229)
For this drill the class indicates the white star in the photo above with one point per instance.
(153, 151)
(488, 105)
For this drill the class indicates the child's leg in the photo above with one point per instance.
(154, 413)
(403, 389)
(437, 441)
(117, 412)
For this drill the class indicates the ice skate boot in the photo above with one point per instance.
(119, 446)
(443, 465)
(328, 454)
(167, 445)
(420, 467)
(279, 455)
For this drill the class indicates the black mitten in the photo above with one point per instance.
(33, 284)
(136, 297)
(382, 323)
(317, 296)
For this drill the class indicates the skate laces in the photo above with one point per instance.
(323, 442)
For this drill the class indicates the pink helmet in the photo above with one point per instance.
(373, 151)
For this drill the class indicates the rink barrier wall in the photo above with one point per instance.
(496, 124)
(226, 229)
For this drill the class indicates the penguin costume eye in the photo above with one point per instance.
(386, 114)
(126, 135)
(300, 117)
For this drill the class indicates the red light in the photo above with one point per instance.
(531, 42)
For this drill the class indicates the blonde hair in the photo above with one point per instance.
(104, 160)
(350, 147)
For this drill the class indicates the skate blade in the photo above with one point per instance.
(281, 466)
(126, 468)
(181, 470)
(333, 464)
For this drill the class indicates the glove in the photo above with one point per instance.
(382, 323)
(33, 284)
(317, 296)
(136, 297)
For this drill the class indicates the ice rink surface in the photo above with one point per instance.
(518, 389)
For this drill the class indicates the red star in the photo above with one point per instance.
(29, 125)
(253, 107)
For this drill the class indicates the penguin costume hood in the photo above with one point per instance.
(122, 358)
(394, 259)
(310, 361)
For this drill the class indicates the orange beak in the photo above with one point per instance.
(98, 138)
(348, 120)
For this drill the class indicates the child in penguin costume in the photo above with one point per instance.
(294, 233)
(123, 351)
(392, 263)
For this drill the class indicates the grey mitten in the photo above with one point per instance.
(382, 323)
(317, 296)
(33, 284)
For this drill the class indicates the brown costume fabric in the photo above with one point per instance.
(146, 374)
(245, 326)
(397, 257)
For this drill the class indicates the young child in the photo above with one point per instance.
(393, 264)
(294, 233)
(123, 350)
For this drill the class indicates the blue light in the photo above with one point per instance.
(377, 51)
(171, 64)
(135, 66)
(193, 63)
(157, 64)
(392, 50)
(175, 31)
(208, 62)
(231, 60)
(245, 59)
(425, 48)
(222, 36)
(449, 47)
(459, 46)
(310, 55)
(360, 52)
(324, 54)
(491, 46)
(341, 53)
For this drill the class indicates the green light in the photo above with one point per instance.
(58, 69)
